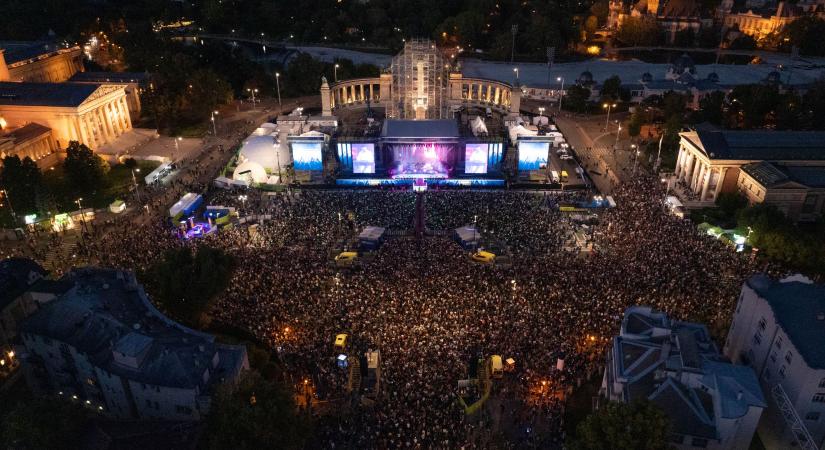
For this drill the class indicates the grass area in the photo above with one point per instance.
(194, 131)
(118, 184)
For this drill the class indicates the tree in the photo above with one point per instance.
(806, 34)
(639, 31)
(185, 282)
(44, 423)
(86, 171)
(611, 89)
(743, 42)
(254, 414)
(711, 108)
(22, 182)
(576, 98)
(620, 426)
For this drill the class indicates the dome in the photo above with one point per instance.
(586, 77)
(647, 77)
(683, 64)
(261, 150)
(250, 171)
(774, 77)
(713, 77)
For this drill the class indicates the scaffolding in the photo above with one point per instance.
(420, 79)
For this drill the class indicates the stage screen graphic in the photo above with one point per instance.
(532, 155)
(307, 155)
(363, 158)
(475, 158)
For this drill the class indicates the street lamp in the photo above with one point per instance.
(134, 181)
(541, 111)
(335, 71)
(242, 198)
(608, 106)
(561, 93)
(6, 196)
(278, 85)
(618, 131)
(177, 148)
(253, 92)
(636, 161)
(82, 216)
(214, 128)
(515, 69)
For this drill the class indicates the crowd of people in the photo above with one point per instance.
(431, 311)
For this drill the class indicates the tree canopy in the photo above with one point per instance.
(620, 426)
(44, 423)
(86, 170)
(254, 414)
(22, 181)
(185, 282)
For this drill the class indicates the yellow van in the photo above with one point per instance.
(345, 259)
(341, 342)
(496, 368)
(483, 257)
(563, 176)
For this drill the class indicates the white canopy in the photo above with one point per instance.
(260, 150)
(250, 171)
(478, 126)
(519, 130)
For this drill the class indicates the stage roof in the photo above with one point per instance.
(443, 128)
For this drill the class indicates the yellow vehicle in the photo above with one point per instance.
(563, 176)
(483, 257)
(346, 259)
(496, 368)
(341, 342)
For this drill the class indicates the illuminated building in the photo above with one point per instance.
(675, 365)
(103, 343)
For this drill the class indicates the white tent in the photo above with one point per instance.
(260, 150)
(519, 130)
(478, 126)
(250, 171)
(541, 120)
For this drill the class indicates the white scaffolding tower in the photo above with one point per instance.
(420, 79)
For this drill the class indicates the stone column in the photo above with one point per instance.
(103, 126)
(722, 172)
(372, 99)
(114, 119)
(83, 131)
(706, 183)
(107, 122)
(697, 173)
(75, 129)
(680, 160)
(127, 116)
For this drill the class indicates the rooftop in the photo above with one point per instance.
(107, 316)
(16, 276)
(45, 94)
(770, 174)
(760, 145)
(27, 132)
(441, 128)
(110, 77)
(799, 308)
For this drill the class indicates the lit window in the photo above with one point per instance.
(819, 397)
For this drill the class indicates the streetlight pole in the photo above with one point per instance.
(561, 93)
(541, 111)
(177, 148)
(214, 127)
(515, 69)
(636, 162)
(11, 208)
(253, 91)
(134, 181)
(82, 216)
(607, 120)
(514, 31)
(335, 71)
(278, 85)
(618, 131)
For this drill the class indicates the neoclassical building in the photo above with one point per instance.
(751, 162)
(41, 109)
(420, 84)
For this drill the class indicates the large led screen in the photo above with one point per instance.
(363, 158)
(307, 155)
(532, 155)
(475, 158)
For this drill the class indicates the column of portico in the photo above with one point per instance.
(697, 172)
(111, 119)
(107, 124)
(722, 172)
(127, 115)
(122, 115)
(103, 128)
(75, 127)
(680, 160)
(94, 132)
(706, 184)
(371, 93)
(686, 167)
(83, 132)
(361, 88)
(117, 123)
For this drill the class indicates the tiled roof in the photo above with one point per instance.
(28, 132)
(761, 145)
(797, 307)
(45, 94)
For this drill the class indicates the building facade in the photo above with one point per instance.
(710, 161)
(40, 62)
(778, 329)
(104, 345)
(711, 403)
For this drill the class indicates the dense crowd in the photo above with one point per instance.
(430, 310)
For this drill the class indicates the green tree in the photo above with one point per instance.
(712, 108)
(185, 282)
(639, 31)
(254, 414)
(619, 426)
(86, 171)
(611, 89)
(806, 34)
(22, 181)
(44, 423)
(576, 98)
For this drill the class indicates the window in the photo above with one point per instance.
(773, 356)
(822, 383)
(757, 339)
(819, 397)
(762, 324)
(767, 375)
(699, 442)
(778, 343)
(782, 372)
(813, 416)
(788, 357)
